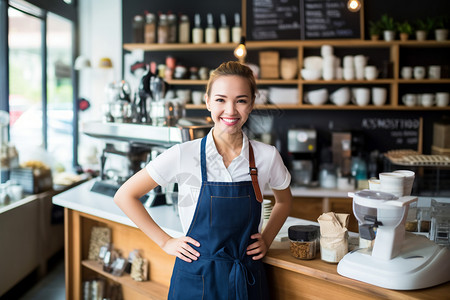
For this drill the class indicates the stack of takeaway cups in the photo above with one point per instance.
(329, 62)
(399, 182)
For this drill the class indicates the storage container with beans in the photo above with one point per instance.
(303, 241)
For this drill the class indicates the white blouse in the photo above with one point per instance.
(181, 164)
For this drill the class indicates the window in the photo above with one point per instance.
(41, 95)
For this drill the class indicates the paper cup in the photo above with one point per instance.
(408, 181)
(392, 183)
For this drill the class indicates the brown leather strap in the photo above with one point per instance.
(254, 173)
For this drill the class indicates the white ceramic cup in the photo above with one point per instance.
(409, 100)
(379, 96)
(442, 99)
(184, 95)
(339, 73)
(408, 181)
(317, 97)
(374, 184)
(370, 72)
(392, 183)
(348, 62)
(360, 61)
(361, 96)
(434, 72)
(326, 50)
(197, 97)
(359, 72)
(427, 99)
(419, 72)
(341, 96)
(348, 73)
(406, 72)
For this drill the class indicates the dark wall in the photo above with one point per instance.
(318, 119)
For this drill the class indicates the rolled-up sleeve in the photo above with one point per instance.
(280, 178)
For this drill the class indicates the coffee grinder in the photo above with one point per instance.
(302, 144)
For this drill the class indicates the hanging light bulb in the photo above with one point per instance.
(241, 51)
(354, 5)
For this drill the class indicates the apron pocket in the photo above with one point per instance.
(230, 212)
(188, 286)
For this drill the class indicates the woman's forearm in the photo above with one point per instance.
(279, 214)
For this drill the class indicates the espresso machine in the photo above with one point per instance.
(302, 144)
(398, 259)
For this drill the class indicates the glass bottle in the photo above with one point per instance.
(224, 30)
(184, 30)
(172, 23)
(163, 29)
(150, 28)
(210, 32)
(197, 31)
(236, 31)
(138, 29)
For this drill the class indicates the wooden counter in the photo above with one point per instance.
(289, 277)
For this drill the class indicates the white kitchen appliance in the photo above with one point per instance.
(398, 260)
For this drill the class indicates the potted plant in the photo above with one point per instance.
(423, 27)
(405, 30)
(374, 30)
(388, 27)
(441, 28)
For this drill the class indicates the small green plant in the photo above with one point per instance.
(441, 22)
(404, 27)
(374, 28)
(425, 25)
(387, 23)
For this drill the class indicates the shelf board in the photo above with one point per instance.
(322, 82)
(415, 81)
(330, 107)
(150, 289)
(258, 81)
(283, 45)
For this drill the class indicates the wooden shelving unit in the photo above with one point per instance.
(394, 48)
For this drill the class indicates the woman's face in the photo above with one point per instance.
(230, 103)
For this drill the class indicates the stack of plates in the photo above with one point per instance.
(267, 208)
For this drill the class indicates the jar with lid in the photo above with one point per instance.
(224, 30)
(163, 29)
(138, 29)
(172, 23)
(303, 241)
(236, 30)
(210, 32)
(150, 28)
(197, 31)
(184, 29)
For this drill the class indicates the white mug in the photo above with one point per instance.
(427, 99)
(197, 97)
(409, 99)
(349, 73)
(348, 62)
(407, 72)
(361, 96)
(434, 72)
(379, 96)
(370, 72)
(341, 96)
(419, 72)
(442, 99)
(360, 60)
(392, 183)
(326, 50)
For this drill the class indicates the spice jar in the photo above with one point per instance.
(210, 32)
(236, 30)
(150, 28)
(163, 29)
(197, 31)
(138, 29)
(303, 241)
(172, 23)
(224, 30)
(184, 29)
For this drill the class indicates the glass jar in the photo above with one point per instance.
(150, 28)
(184, 30)
(303, 241)
(327, 176)
(163, 29)
(172, 23)
(138, 29)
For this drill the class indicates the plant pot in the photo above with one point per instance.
(421, 35)
(441, 34)
(404, 36)
(375, 37)
(389, 35)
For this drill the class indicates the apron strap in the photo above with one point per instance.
(254, 173)
(203, 159)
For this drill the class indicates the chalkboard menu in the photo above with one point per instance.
(301, 19)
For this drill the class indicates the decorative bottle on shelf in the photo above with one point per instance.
(163, 29)
(138, 29)
(224, 30)
(172, 24)
(184, 29)
(236, 31)
(150, 28)
(197, 31)
(210, 32)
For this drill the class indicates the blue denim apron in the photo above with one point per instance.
(226, 215)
